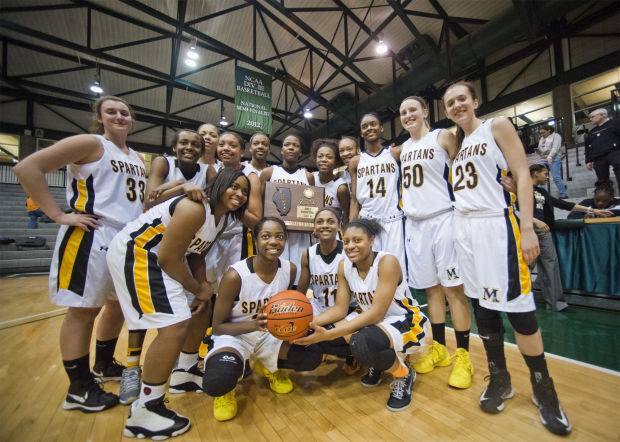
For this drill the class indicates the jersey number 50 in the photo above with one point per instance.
(413, 175)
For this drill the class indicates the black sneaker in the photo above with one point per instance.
(88, 397)
(152, 419)
(400, 399)
(551, 414)
(112, 371)
(372, 378)
(499, 389)
(183, 381)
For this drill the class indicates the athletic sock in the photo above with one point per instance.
(462, 339)
(78, 369)
(538, 368)
(401, 371)
(104, 351)
(186, 360)
(494, 347)
(439, 332)
(133, 356)
(148, 392)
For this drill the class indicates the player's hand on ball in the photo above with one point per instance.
(318, 335)
(261, 322)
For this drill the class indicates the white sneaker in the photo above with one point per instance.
(152, 419)
(182, 381)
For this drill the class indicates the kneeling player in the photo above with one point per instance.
(239, 325)
(391, 324)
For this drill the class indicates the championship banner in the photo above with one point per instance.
(252, 101)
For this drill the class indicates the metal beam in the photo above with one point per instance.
(400, 12)
(458, 30)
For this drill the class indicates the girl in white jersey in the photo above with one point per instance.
(259, 148)
(324, 153)
(429, 236)
(105, 188)
(391, 324)
(348, 148)
(494, 249)
(211, 135)
(375, 193)
(239, 324)
(290, 172)
(182, 173)
(157, 263)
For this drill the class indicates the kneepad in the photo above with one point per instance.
(300, 358)
(222, 371)
(371, 347)
(524, 323)
(337, 347)
(489, 321)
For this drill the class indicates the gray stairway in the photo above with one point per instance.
(13, 222)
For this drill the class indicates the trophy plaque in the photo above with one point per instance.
(295, 204)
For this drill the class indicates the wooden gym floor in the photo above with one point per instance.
(325, 404)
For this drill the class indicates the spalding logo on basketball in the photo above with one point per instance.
(289, 314)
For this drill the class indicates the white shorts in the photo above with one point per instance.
(259, 345)
(391, 239)
(79, 275)
(491, 262)
(148, 297)
(408, 337)
(431, 253)
(296, 244)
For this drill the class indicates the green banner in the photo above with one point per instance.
(252, 101)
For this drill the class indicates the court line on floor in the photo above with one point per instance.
(25, 318)
(563, 358)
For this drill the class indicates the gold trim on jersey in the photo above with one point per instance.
(416, 332)
(524, 272)
(73, 255)
(141, 268)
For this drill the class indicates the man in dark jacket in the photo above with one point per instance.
(603, 146)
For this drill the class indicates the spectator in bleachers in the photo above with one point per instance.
(550, 151)
(602, 203)
(603, 145)
(34, 213)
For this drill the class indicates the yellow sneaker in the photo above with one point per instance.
(225, 407)
(278, 380)
(463, 370)
(438, 357)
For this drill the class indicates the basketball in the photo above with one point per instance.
(288, 315)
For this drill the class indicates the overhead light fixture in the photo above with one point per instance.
(382, 47)
(223, 120)
(552, 123)
(95, 86)
(192, 52)
(308, 114)
(191, 63)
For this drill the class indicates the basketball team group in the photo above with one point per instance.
(188, 252)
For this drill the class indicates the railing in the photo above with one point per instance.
(55, 178)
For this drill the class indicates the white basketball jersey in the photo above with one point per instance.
(148, 230)
(346, 177)
(363, 290)
(425, 172)
(476, 171)
(111, 187)
(234, 226)
(324, 273)
(280, 175)
(254, 293)
(331, 190)
(248, 169)
(174, 173)
(378, 185)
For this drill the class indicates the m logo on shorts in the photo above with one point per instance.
(489, 294)
(452, 274)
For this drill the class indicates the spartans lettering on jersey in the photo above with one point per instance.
(470, 151)
(329, 200)
(330, 279)
(253, 307)
(199, 245)
(418, 154)
(281, 180)
(127, 168)
(363, 298)
(376, 169)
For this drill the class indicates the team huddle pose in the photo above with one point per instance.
(203, 261)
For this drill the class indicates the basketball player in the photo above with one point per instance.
(348, 147)
(429, 242)
(239, 324)
(375, 179)
(290, 172)
(211, 136)
(494, 250)
(259, 148)
(319, 267)
(157, 263)
(169, 177)
(105, 188)
(391, 324)
(324, 153)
